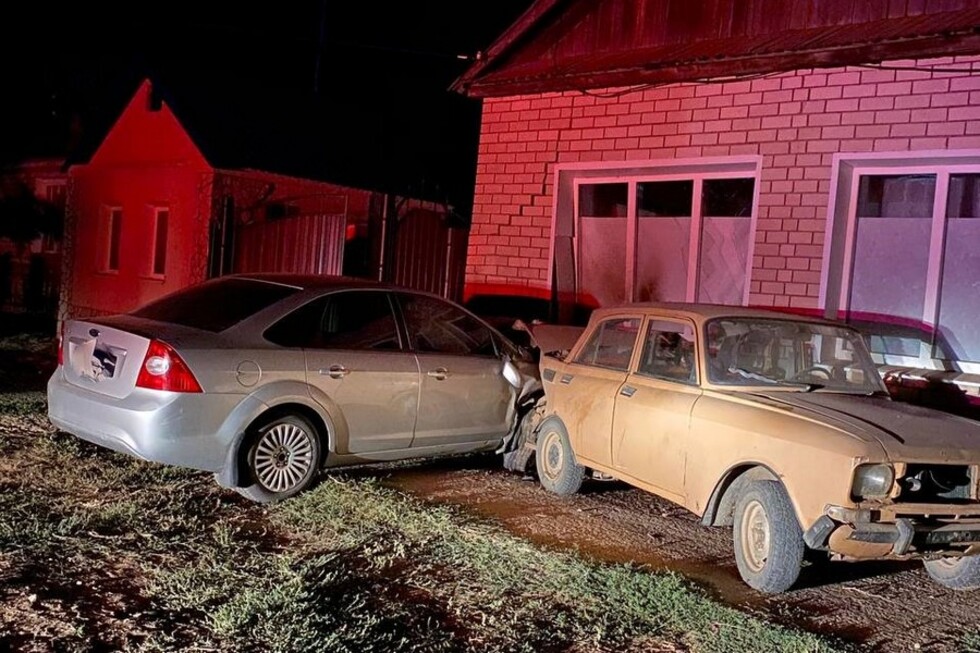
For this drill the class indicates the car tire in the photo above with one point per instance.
(955, 573)
(768, 539)
(282, 459)
(558, 471)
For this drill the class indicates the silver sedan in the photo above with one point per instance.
(263, 379)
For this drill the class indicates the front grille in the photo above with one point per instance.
(937, 483)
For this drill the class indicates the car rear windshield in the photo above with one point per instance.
(216, 305)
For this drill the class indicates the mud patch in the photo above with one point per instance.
(882, 606)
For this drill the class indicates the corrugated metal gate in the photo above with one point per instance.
(428, 254)
(305, 244)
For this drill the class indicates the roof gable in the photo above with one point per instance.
(147, 132)
(560, 45)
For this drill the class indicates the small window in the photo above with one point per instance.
(659, 199)
(896, 196)
(668, 352)
(160, 242)
(114, 237)
(964, 196)
(728, 198)
(602, 200)
(611, 344)
(438, 326)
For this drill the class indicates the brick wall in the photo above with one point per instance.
(795, 120)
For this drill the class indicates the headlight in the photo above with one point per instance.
(872, 481)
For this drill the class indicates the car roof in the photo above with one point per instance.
(704, 312)
(313, 281)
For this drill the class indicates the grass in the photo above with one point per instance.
(98, 550)
(971, 643)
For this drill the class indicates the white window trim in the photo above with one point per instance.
(634, 172)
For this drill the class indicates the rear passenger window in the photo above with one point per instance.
(346, 320)
(611, 344)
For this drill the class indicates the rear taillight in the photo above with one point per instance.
(164, 369)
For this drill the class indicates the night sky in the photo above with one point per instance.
(378, 114)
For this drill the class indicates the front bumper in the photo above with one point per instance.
(897, 531)
(187, 430)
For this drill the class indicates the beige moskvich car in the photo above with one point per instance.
(776, 425)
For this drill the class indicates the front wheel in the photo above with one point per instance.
(955, 573)
(768, 538)
(282, 459)
(558, 470)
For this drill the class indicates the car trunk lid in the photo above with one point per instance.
(106, 355)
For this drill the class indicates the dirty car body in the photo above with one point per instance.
(775, 425)
(263, 379)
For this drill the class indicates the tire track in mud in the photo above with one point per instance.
(879, 606)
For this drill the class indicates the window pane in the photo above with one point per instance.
(358, 320)
(160, 250)
(891, 250)
(662, 252)
(668, 352)
(964, 196)
(730, 198)
(788, 353)
(724, 259)
(664, 198)
(438, 326)
(215, 305)
(959, 328)
(602, 200)
(602, 261)
(611, 344)
(896, 196)
(115, 234)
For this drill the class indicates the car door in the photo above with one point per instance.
(653, 407)
(587, 389)
(464, 397)
(354, 355)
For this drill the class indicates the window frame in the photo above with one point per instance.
(325, 299)
(633, 173)
(630, 365)
(496, 337)
(837, 278)
(644, 329)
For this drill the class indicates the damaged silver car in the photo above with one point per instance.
(264, 379)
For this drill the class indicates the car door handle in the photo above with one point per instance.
(335, 371)
(439, 374)
(627, 391)
(567, 378)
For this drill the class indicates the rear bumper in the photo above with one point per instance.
(187, 430)
(862, 534)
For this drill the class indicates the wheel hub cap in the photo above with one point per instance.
(283, 457)
(755, 536)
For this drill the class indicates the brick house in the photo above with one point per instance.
(818, 156)
(169, 197)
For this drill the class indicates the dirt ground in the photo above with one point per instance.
(881, 606)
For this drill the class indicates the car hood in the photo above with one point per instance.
(906, 432)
